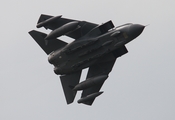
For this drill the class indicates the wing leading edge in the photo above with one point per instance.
(68, 82)
(102, 68)
(51, 22)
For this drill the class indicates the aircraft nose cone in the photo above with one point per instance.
(135, 30)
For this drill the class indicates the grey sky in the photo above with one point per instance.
(140, 87)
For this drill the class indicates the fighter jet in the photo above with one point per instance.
(95, 46)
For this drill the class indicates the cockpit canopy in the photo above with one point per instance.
(122, 26)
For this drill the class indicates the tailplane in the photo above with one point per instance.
(47, 45)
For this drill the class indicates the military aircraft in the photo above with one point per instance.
(95, 47)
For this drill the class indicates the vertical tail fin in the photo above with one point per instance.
(47, 46)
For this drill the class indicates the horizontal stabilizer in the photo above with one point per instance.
(68, 82)
(47, 46)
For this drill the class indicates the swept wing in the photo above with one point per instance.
(102, 68)
(52, 23)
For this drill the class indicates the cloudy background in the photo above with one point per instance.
(140, 87)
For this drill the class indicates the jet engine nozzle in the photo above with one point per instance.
(50, 59)
(57, 70)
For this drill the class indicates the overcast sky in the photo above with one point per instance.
(140, 86)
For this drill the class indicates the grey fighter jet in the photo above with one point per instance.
(95, 47)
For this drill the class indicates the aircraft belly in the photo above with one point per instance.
(84, 55)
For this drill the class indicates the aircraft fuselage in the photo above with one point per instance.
(86, 51)
(95, 47)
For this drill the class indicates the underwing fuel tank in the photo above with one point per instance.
(62, 30)
(89, 97)
(46, 22)
(90, 82)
